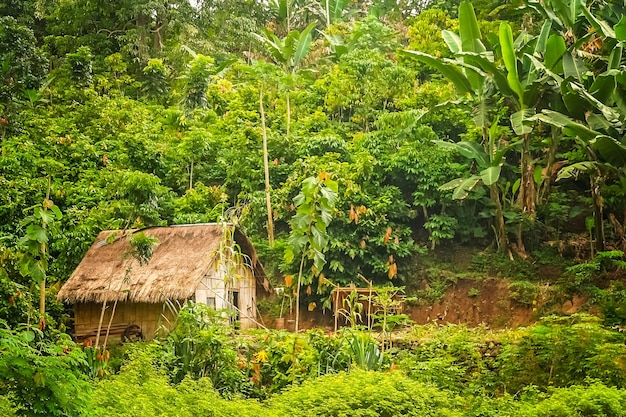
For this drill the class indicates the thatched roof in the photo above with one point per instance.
(182, 256)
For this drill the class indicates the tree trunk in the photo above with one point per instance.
(598, 212)
(191, 175)
(299, 284)
(106, 337)
(327, 13)
(527, 191)
(288, 113)
(547, 180)
(266, 166)
(104, 307)
(42, 305)
(142, 36)
(501, 236)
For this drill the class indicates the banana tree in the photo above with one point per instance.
(595, 110)
(606, 157)
(289, 54)
(481, 73)
(488, 161)
(335, 10)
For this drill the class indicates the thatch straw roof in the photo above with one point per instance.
(182, 256)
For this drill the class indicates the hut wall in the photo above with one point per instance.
(148, 316)
(216, 292)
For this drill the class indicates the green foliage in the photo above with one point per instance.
(365, 393)
(80, 66)
(595, 400)
(15, 304)
(585, 273)
(612, 303)
(156, 83)
(563, 351)
(23, 65)
(197, 80)
(43, 377)
(199, 347)
(524, 292)
(365, 351)
(141, 390)
(315, 207)
(141, 247)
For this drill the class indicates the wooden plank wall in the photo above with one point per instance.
(147, 316)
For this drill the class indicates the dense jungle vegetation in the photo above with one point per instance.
(353, 141)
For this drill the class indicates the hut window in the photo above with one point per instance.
(210, 301)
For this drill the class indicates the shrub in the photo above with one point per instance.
(7, 408)
(595, 400)
(363, 394)
(43, 376)
(524, 292)
(562, 351)
(142, 390)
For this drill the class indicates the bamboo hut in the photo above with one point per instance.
(214, 264)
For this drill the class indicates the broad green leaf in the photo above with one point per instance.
(480, 114)
(451, 72)
(47, 217)
(610, 113)
(611, 150)
(516, 185)
(542, 39)
(573, 67)
(538, 175)
(510, 61)
(28, 336)
(470, 150)
(620, 29)
(555, 49)
(568, 125)
(544, 11)
(462, 191)
(36, 232)
(572, 171)
(603, 87)
(599, 25)
(490, 69)
(57, 212)
(452, 40)
(333, 186)
(451, 185)
(490, 175)
(553, 118)
(37, 270)
(538, 65)
(615, 59)
(337, 8)
(499, 155)
(598, 122)
(517, 121)
(468, 28)
(303, 45)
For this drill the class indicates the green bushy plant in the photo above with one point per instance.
(365, 394)
(561, 351)
(7, 407)
(451, 357)
(524, 292)
(201, 345)
(43, 376)
(595, 400)
(141, 390)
